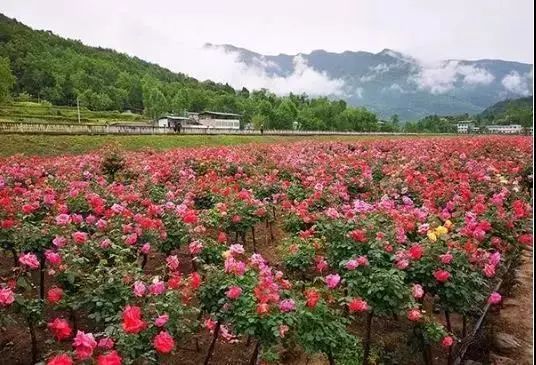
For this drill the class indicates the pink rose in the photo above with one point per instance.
(131, 239)
(446, 258)
(287, 305)
(236, 249)
(84, 344)
(401, 264)
(351, 264)
(414, 315)
(59, 241)
(106, 343)
(53, 257)
(30, 260)
(157, 287)
(105, 243)
(195, 247)
(161, 320)
(63, 219)
(489, 270)
(494, 298)
(234, 292)
(139, 289)
(417, 291)
(6, 297)
(172, 262)
(80, 237)
(146, 248)
(333, 280)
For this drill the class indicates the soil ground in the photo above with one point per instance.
(516, 315)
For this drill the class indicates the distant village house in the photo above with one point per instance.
(202, 120)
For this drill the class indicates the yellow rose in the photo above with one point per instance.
(440, 231)
(432, 236)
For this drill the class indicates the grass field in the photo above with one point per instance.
(31, 112)
(49, 145)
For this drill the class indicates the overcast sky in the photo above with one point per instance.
(432, 29)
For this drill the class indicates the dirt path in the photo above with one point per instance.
(513, 325)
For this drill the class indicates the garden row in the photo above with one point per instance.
(306, 247)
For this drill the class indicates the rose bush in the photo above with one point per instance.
(127, 257)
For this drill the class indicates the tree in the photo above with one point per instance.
(7, 80)
(180, 102)
(258, 121)
(198, 100)
(156, 104)
(285, 115)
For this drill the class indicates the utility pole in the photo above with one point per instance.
(78, 108)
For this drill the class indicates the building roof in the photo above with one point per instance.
(174, 117)
(131, 124)
(219, 114)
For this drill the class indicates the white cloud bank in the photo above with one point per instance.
(517, 83)
(440, 77)
(216, 64)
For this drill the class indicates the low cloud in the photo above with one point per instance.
(216, 64)
(379, 69)
(441, 77)
(517, 83)
(475, 75)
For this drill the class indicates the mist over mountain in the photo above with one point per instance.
(390, 82)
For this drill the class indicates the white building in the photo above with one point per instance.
(203, 120)
(505, 129)
(219, 120)
(171, 121)
(465, 126)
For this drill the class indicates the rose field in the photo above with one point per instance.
(380, 251)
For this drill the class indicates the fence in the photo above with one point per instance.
(96, 129)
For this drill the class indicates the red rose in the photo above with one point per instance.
(54, 295)
(60, 329)
(222, 237)
(441, 275)
(190, 217)
(163, 342)
(62, 359)
(174, 280)
(132, 322)
(195, 280)
(447, 341)
(357, 305)
(415, 252)
(111, 358)
(358, 235)
(312, 298)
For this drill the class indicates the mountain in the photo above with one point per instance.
(390, 82)
(512, 110)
